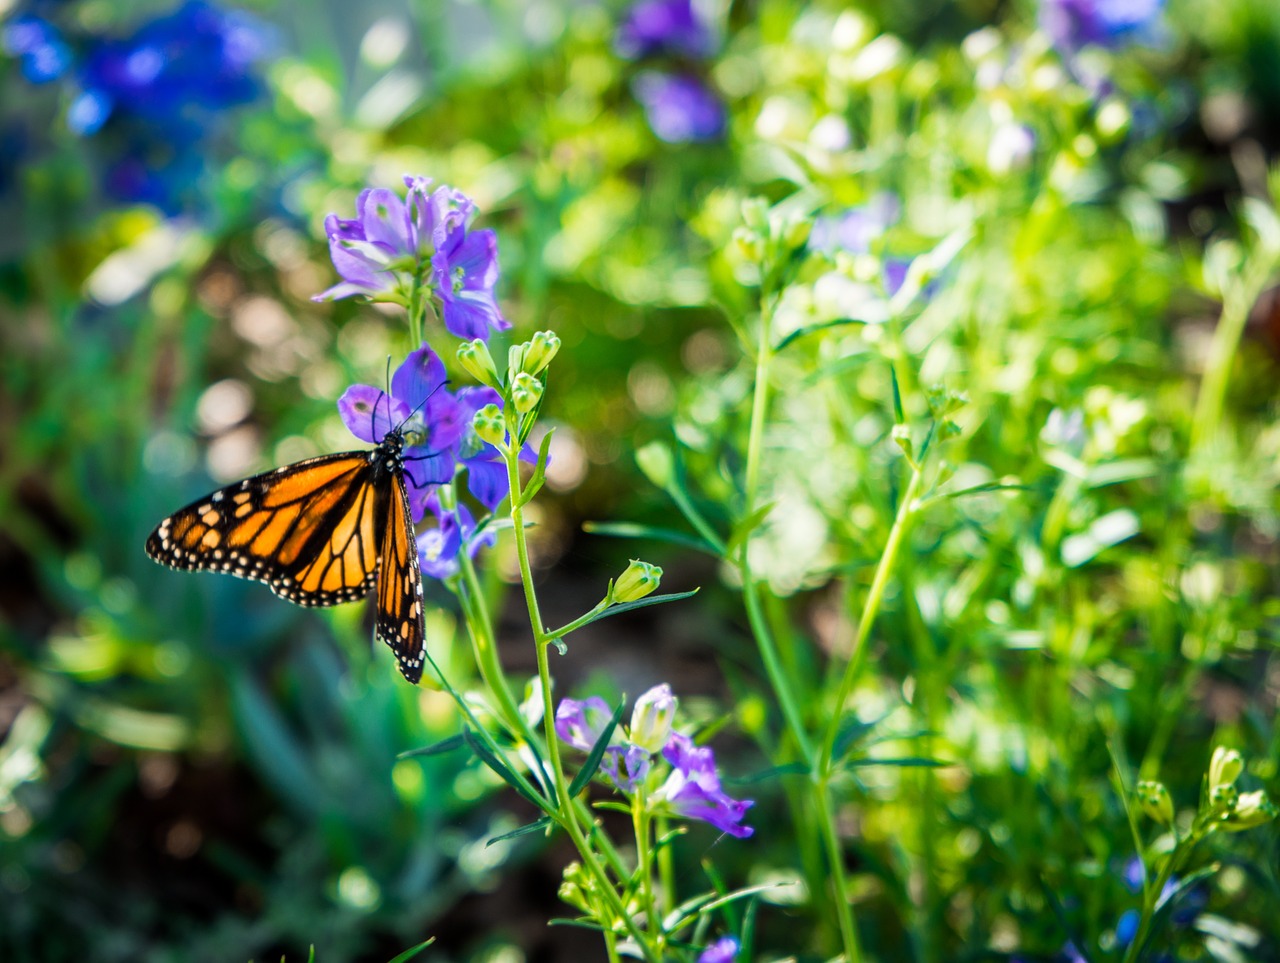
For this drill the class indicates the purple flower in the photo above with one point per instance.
(635, 764)
(663, 26)
(581, 722)
(680, 108)
(376, 252)
(857, 228)
(466, 270)
(693, 788)
(723, 950)
(486, 469)
(438, 547)
(39, 48)
(1073, 24)
(429, 417)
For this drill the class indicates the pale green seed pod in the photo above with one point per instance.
(541, 350)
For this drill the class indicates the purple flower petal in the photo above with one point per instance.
(680, 108)
(369, 413)
(663, 26)
(386, 220)
(581, 722)
(723, 950)
(693, 788)
(418, 377)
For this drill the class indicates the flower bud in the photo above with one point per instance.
(748, 245)
(652, 717)
(526, 392)
(541, 350)
(574, 888)
(636, 582)
(1223, 799)
(515, 358)
(1225, 767)
(489, 425)
(901, 435)
(1252, 809)
(475, 357)
(1155, 801)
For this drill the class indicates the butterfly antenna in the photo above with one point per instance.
(421, 404)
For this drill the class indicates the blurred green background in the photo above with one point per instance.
(191, 769)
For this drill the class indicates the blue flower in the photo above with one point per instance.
(428, 416)
(178, 69)
(723, 950)
(680, 108)
(663, 26)
(581, 722)
(693, 788)
(39, 48)
(438, 547)
(466, 270)
(1073, 24)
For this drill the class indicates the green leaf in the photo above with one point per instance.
(413, 951)
(640, 604)
(582, 924)
(898, 417)
(504, 771)
(851, 730)
(786, 769)
(799, 333)
(742, 531)
(631, 530)
(540, 473)
(901, 761)
(533, 827)
(436, 748)
(709, 901)
(596, 755)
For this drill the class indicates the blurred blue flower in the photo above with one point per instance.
(429, 417)
(40, 49)
(1073, 24)
(680, 108)
(176, 69)
(438, 547)
(723, 950)
(693, 788)
(581, 722)
(663, 26)
(1127, 926)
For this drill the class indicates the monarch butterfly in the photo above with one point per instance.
(318, 532)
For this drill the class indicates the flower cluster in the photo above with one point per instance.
(393, 246)
(691, 787)
(679, 105)
(1073, 24)
(152, 99)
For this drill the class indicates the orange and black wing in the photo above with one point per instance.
(398, 620)
(308, 530)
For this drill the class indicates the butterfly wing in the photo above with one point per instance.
(399, 620)
(307, 530)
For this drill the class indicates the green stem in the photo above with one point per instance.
(1151, 893)
(640, 821)
(579, 622)
(839, 879)
(666, 867)
(897, 534)
(568, 816)
(484, 644)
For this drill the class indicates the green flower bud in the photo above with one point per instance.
(901, 435)
(526, 392)
(1223, 799)
(1252, 809)
(574, 888)
(1155, 801)
(755, 214)
(657, 463)
(541, 350)
(475, 357)
(515, 358)
(489, 425)
(1225, 767)
(636, 582)
(748, 245)
(652, 718)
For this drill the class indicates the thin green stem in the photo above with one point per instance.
(568, 812)
(666, 866)
(484, 644)
(579, 622)
(640, 822)
(839, 879)
(1151, 893)
(897, 534)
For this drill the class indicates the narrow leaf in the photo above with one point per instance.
(799, 333)
(631, 530)
(437, 748)
(902, 761)
(742, 531)
(596, 755)
(536, 826)
(502, 769)
(851, 730)
(787, 769)
(539, 473)
(898, 417)
(413, 951)
(640, 604)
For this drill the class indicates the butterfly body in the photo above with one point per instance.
(319, 532)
